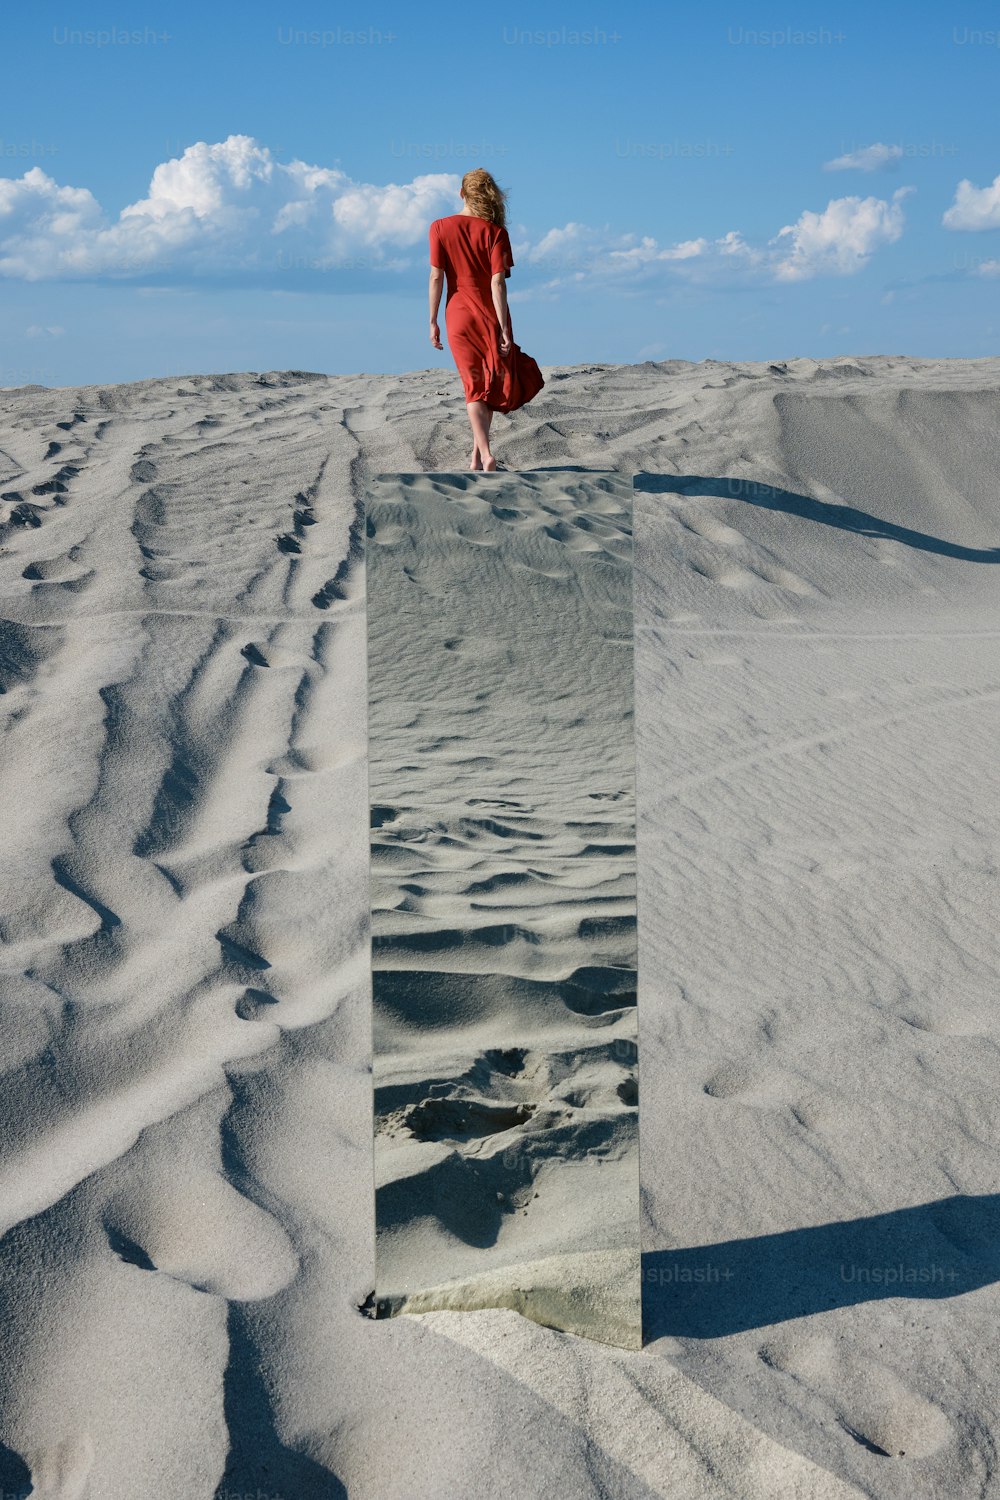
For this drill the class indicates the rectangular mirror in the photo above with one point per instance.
(503, 896)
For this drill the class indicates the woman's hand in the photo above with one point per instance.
(505, 342)
(436, 334)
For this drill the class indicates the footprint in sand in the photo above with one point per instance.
(23, 514)
(176, 1213)
(869, 1401)
(59, 572)
(77, 416)
(61, 1470)
(731, 1080)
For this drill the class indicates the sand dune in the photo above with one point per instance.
(187, 1167)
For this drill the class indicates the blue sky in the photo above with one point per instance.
(673, 192)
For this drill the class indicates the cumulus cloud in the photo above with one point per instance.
(974, 208)
(841, 239)
(230, 208)
(865, 159)
(580, 253)
(223, 207)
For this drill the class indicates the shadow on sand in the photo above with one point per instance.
(824, 512)
(935, 1250)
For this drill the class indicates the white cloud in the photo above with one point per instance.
(989, 268)
(232, 208)
(865, 159)
(837, 242)
(647, 252)
(578, 253)
(223, 207)
(36, 331)
(841, 239)
(974, 208)
(733, 243)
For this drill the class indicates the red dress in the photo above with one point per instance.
(470, 250)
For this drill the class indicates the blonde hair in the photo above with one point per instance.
(483, 197)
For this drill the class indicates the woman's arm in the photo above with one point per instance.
(434, 294)
(498, 286)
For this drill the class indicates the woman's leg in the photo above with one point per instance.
(489, 462)
(480, 417)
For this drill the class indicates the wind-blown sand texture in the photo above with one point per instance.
(501, 767)
(186, 1106)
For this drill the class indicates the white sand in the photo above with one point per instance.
(187, 1172)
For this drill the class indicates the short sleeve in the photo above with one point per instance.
(501, 256)
(437, 255)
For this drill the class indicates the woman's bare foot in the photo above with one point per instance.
(490, 466)
(477, 462)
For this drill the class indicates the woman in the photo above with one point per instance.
(472, 249)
